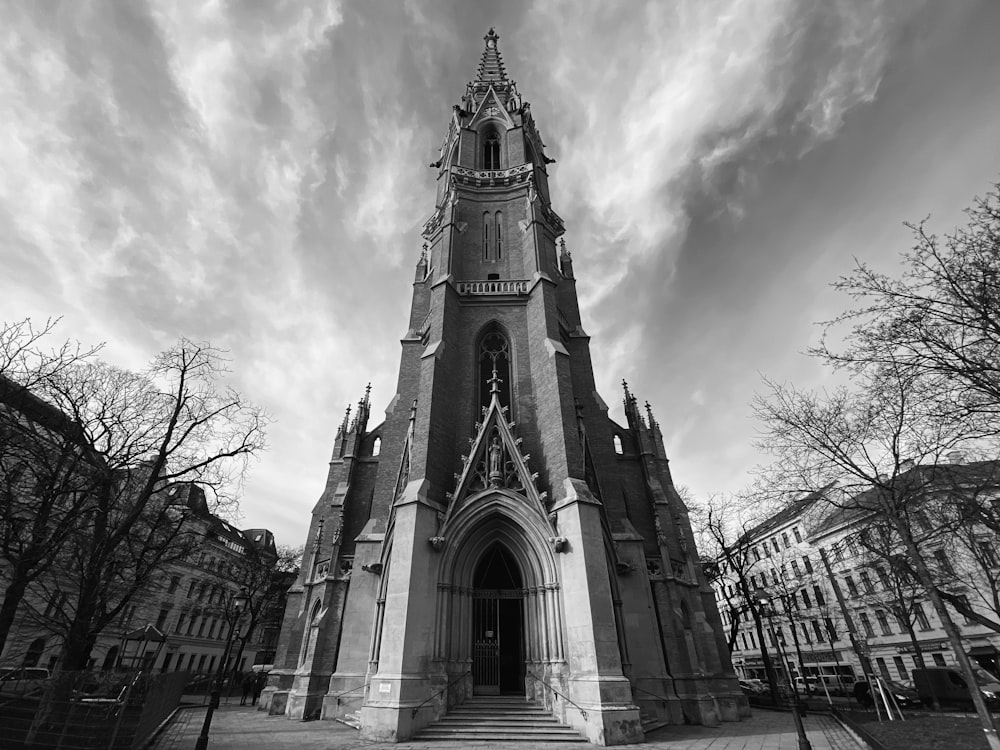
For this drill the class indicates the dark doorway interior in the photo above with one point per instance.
(498, 661)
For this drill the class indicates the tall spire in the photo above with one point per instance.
(491, 72)
(491, 67)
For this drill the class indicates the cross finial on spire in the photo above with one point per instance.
(491, 69)
(368, 390)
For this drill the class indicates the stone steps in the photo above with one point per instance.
(498, 719)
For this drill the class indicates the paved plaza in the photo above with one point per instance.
(244, 728)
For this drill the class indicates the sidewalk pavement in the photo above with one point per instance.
(244, 728)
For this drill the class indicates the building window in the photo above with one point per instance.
(938, 660)
(850, 586)
(883, 622)
(964, 600)
(866, 623)
(805, 598)
(818, 592)
(376, 445)
(161, 619)
(190, 592)
(494, 357)
(486, 235)
(795, 568)
(920, 617)
(808, 565)
(175, 581)
(883, 668)
(618, 444)
(798, 536)
(498, 239)
(866, 582)
(774, 543)
(817, 630)
(491, 151)
(900, 667)
(784, 540)
(180, 622)
(831, 631)
(943, 563)
(805, 633)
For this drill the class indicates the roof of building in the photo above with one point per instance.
(916, 481)
(785, 515)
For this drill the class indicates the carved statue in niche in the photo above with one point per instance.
(496, 455)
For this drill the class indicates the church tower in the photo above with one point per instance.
(498, 533)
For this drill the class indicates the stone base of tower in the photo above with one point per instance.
(604, 712)
(345, 697)
(657, 700)
(305, 698)
(399, 706)
(710, 701)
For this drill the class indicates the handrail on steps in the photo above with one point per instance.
(413, 712)
(356, 687)
(566, 698)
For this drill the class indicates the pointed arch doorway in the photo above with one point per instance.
(497, 624)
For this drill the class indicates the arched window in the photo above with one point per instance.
(618, 444)
(499, 235)
(494, 356)
(491, 151)
(377, 446)
(310, 635)
(486, 235)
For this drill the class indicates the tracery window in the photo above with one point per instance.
(494, 357)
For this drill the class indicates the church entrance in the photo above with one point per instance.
(497, 625)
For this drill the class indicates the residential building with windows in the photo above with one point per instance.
(845, 597)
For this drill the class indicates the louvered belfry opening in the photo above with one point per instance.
(497, 655)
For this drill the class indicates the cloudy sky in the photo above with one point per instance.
(255, 174)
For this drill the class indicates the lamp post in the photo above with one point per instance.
(239, 602)
(768, 608)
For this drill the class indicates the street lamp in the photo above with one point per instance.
(764, 599)
(239, 603)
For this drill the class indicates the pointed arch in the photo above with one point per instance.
(494, 350)
(500, 518)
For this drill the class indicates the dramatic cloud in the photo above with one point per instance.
(255, 174)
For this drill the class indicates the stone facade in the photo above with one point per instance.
(498, 532)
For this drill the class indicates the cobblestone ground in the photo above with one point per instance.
(245, 728)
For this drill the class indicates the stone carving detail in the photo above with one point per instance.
(496, 468)
(653, 566)
(375, 568)
(559, 543)
(437, 542)
(624, 568)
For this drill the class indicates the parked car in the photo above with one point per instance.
(905, 696)
(23, 680)
(949, 687)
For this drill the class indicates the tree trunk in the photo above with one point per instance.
(772, 680)
(925, 577)
(11, 601)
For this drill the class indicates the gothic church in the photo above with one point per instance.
(498, 534)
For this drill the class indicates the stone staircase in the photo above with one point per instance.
(498, 718)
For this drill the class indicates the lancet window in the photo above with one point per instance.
(494, 358)
(491, 151)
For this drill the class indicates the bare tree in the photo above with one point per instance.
(868, 436)
(940, 318)
(45, 461)
(175, 422)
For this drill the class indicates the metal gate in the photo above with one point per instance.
(486, 643)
